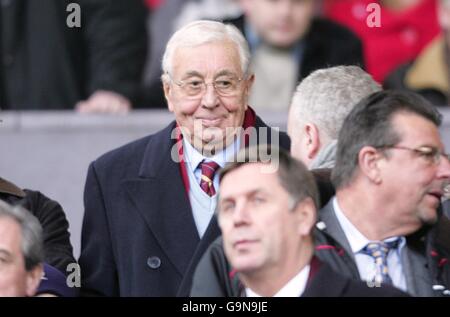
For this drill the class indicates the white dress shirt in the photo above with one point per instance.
(294, 288)
(203, 206)
(365, 263)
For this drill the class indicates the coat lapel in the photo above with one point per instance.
(160, 197)
(333, 228)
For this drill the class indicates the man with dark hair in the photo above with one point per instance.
(389, 176)
(383, 225)
(267, 211)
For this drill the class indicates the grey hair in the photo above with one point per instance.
(201, 32)
(31, 242)
(326, 96)
(293, 175)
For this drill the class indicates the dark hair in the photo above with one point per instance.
(370, 124)
(293, 175)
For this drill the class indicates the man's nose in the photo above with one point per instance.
(241, 215)
(210, 98)
(444, 170)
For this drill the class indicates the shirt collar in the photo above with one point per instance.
(294, 288)
(193, 157)
(354, 237)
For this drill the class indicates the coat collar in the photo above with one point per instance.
(332, 227)
(161, 199)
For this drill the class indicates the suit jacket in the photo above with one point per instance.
(329, 283)
(326, 190)
(424, 258)
(326, 44)
(139, 235)
(446, 208)
(48, 65)
(215, 278)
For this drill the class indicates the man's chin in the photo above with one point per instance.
(428, 216)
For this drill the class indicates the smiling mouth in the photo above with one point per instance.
(210, 122)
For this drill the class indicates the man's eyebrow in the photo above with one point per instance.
(192, 73)
(5, 252)
(225, 72)
(249, 193)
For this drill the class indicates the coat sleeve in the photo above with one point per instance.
(58, 250)
(115, 38)
(98, 267)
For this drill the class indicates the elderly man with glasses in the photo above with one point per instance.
(149, 205)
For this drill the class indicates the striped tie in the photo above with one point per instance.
(379, 252)
(208, 171)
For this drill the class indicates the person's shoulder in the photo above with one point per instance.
(284, 141)
(338, 285)
(364, 289)
(133, 150)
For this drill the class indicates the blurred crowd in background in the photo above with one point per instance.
(112, 63)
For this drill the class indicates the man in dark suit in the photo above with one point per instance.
(379, 210)
(266, 211)
(318, 108)
(149, 205)
(390, 172)
(288, 43)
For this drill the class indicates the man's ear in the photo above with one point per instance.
(306, 216)
(33, 279)
(369, 163)
(249, 84)
(312, 140)
(167, 90)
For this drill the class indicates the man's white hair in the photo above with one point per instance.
(201, 32)
(326, 97)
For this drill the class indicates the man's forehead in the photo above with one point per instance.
(206, 52)
(250, 176)
(9, 233)
(415, 128)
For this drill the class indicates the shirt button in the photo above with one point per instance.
(154, 262)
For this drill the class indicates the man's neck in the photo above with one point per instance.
(366, 213)
(268, 283)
